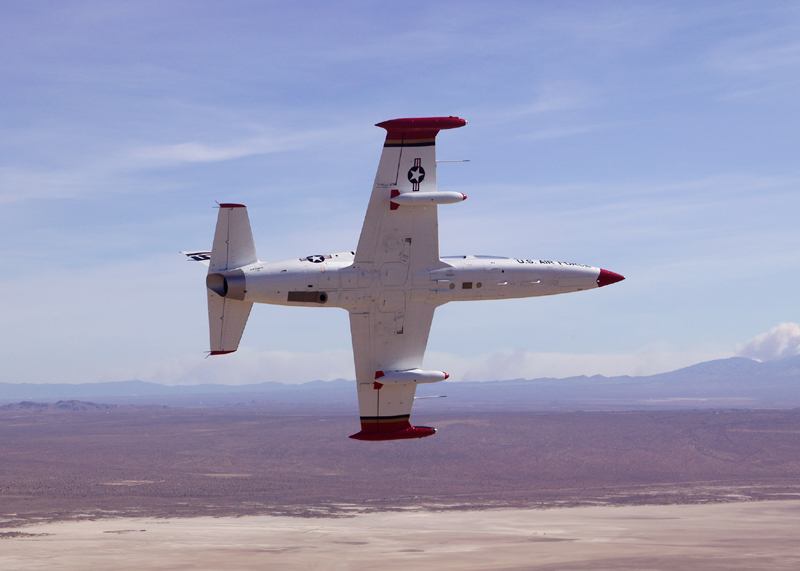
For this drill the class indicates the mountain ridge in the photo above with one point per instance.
(734, 379)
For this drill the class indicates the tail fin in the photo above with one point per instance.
(233, 240)
(233, 248)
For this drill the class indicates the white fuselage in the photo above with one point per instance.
(332, 281)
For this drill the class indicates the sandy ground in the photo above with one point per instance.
(752, 535)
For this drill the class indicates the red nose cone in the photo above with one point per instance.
(607, 277)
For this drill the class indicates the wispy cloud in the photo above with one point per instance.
(111, 170)
(764, 64)
(559, 132)
(196, 152)
(776, 50)
(551, 97)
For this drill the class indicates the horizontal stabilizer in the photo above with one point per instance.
(198, 256)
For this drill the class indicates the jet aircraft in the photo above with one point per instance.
(391, 284)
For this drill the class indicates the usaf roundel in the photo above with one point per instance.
(316, 259)
(416, 174)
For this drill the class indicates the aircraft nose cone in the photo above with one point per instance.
(607, 277)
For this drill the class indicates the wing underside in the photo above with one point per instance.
(397, 243)
(385, 407)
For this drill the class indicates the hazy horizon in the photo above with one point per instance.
(261, 381)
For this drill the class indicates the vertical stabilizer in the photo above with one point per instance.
(233, 240)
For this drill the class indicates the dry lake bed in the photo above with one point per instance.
(743, 535)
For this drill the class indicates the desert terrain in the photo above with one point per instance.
(164, 462)
(85, 485)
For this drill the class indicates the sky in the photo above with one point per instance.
(659, 140)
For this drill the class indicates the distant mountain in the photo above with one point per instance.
(725, 383)
(739, 367)
(728, 383)
(71, 405)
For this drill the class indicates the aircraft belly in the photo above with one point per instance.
(391, 301)
(394, 274)
(316, 285)
(507, 279)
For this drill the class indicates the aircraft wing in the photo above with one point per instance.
(407, 165)
(390, 333)
(385, 408)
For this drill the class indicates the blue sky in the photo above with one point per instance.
(657, 140)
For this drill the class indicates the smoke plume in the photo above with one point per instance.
(778, 342)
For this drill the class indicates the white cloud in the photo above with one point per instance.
(778, 342)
